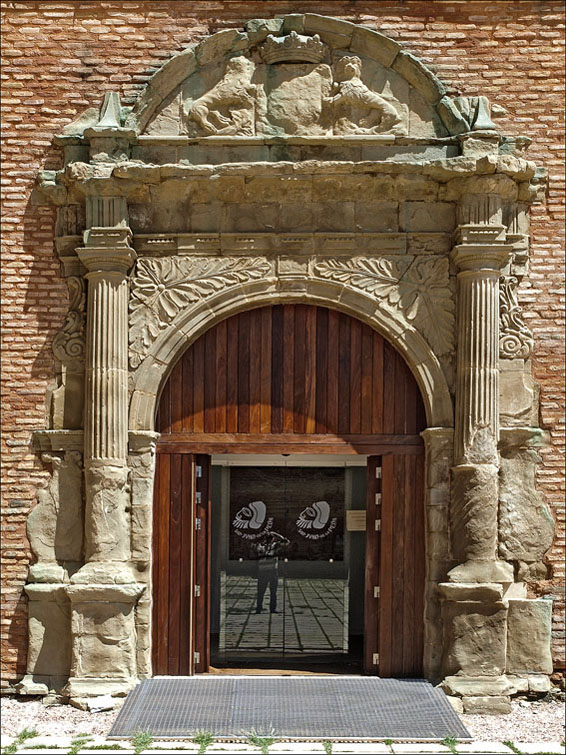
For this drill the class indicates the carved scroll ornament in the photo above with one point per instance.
(417, 289)
(161, 288)
(69, 343)
(515, 339)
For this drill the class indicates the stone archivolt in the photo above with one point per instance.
(305, 159)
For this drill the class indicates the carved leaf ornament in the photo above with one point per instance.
(515, 339)
(161, 288)
(418, 288)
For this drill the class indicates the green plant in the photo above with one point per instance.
(142, 741)
(20, 739)
(450, 742)
(203, 739)
(388, 742)
(263, 742)
(78, 742)
(105, 747)
(512, 746)
(327, 747)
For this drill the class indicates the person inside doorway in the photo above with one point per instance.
(267, 548)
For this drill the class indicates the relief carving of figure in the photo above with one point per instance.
(229, 107)
(358, 109)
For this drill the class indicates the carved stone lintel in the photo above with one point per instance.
(515, 339)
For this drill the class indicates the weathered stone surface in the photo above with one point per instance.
(476, 686)
(374, 45)
(473, 516)
(526, 526)
(420, 77)
(460, 591)
(49, 624)
(518, 394)
(474, 638)
(528, 636)
(427, 217)
(492, 705)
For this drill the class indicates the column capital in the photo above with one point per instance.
(107, 250)
(479, 257)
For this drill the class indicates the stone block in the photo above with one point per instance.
(427, 217)
(279, 189)
(294, 217)
(205, 218)
(338, 217)
(488, 705)
(259, 28)
(518, 395)
(248, 218)
(475, 686)
(418, 76)
(474, 638)
(333, 31)
(374, 45)
(528, 636)
(417, 188)
(216, 46)
(49, 624)
(456, 703)
(452, 117)
(539, 683)
(380, 217)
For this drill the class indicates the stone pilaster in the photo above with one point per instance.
(479, 257)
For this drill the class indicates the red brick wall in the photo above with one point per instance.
(60, 57)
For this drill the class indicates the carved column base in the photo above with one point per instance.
(49, 649)
(103, 639)
(474, 620)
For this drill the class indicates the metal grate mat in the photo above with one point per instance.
(289, 707)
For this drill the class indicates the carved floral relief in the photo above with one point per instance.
(515, 338)
(69, 343)
(417, 288)
(161, 288)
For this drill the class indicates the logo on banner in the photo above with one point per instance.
(250, 521)
(314, 521)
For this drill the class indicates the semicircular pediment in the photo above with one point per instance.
(301, 76)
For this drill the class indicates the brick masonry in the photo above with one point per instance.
(59, 58)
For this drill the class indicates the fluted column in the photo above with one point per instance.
(479, 258)
(108, 256)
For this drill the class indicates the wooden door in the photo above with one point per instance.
(181, 544)
(395, 566)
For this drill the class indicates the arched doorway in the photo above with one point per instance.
(291, 380)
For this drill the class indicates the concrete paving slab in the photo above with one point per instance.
(415, 748)
(474, 748)
(533, 748)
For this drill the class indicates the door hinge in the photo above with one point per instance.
(378, 473)
(196, 656)
(378, 525)
(198, 497)
(376, 591)
(198, 523)
(377, 499)
(198, 471)
(375, 659)
(197, 591)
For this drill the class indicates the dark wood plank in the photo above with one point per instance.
(371, 603)
(265, 378)
(409, 563)
(321, 369)
(198, 385)
(201, 611)
(333, 371)
(366, 380)
(155, 570)
(398, 576)
(255, 371)
(186, 566)
(210, 381)
(400, 394)
(288, 368)
(220, 377)
(162, 635)
(299, 422)
(310, 369)
(344, 396)
(377, 384)
(188, 418)
(244, 372)
(277, 361)
(176, 400)
(165, 409)
(175, 522)
(355, 376)
(386, 566)
(419, 565)
(232, 375)
(389, 389)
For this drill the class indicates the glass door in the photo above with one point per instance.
(282, 590)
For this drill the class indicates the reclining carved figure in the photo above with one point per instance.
(353, 98)
(229, 107)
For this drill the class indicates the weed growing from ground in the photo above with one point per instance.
(512, 746)
(327, 747)
(78, 742)
(450, 742)
(264, 743)
(142, 741)
(203, 739)
(20, 739)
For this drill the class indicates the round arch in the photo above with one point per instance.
(190, 324)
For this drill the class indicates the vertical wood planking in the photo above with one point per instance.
(366, 382)
(186, 561)
(333, 371)
(255, 371)
(244, 372)
(265, 368)
(344, 375)
(321, 369)
(398, 577)
(187, 373)
(310, 370)
(288, 367)
(377, 384)
(277, 360)
(409, 560)
(371, 612)
(386, 566)
(210, 381)
(355, 375)
(300, 375)
(175, 524)
(176, 398)
(389, 389)
(232, 376)
(198, 385)
(220, 376)
(161, 635)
